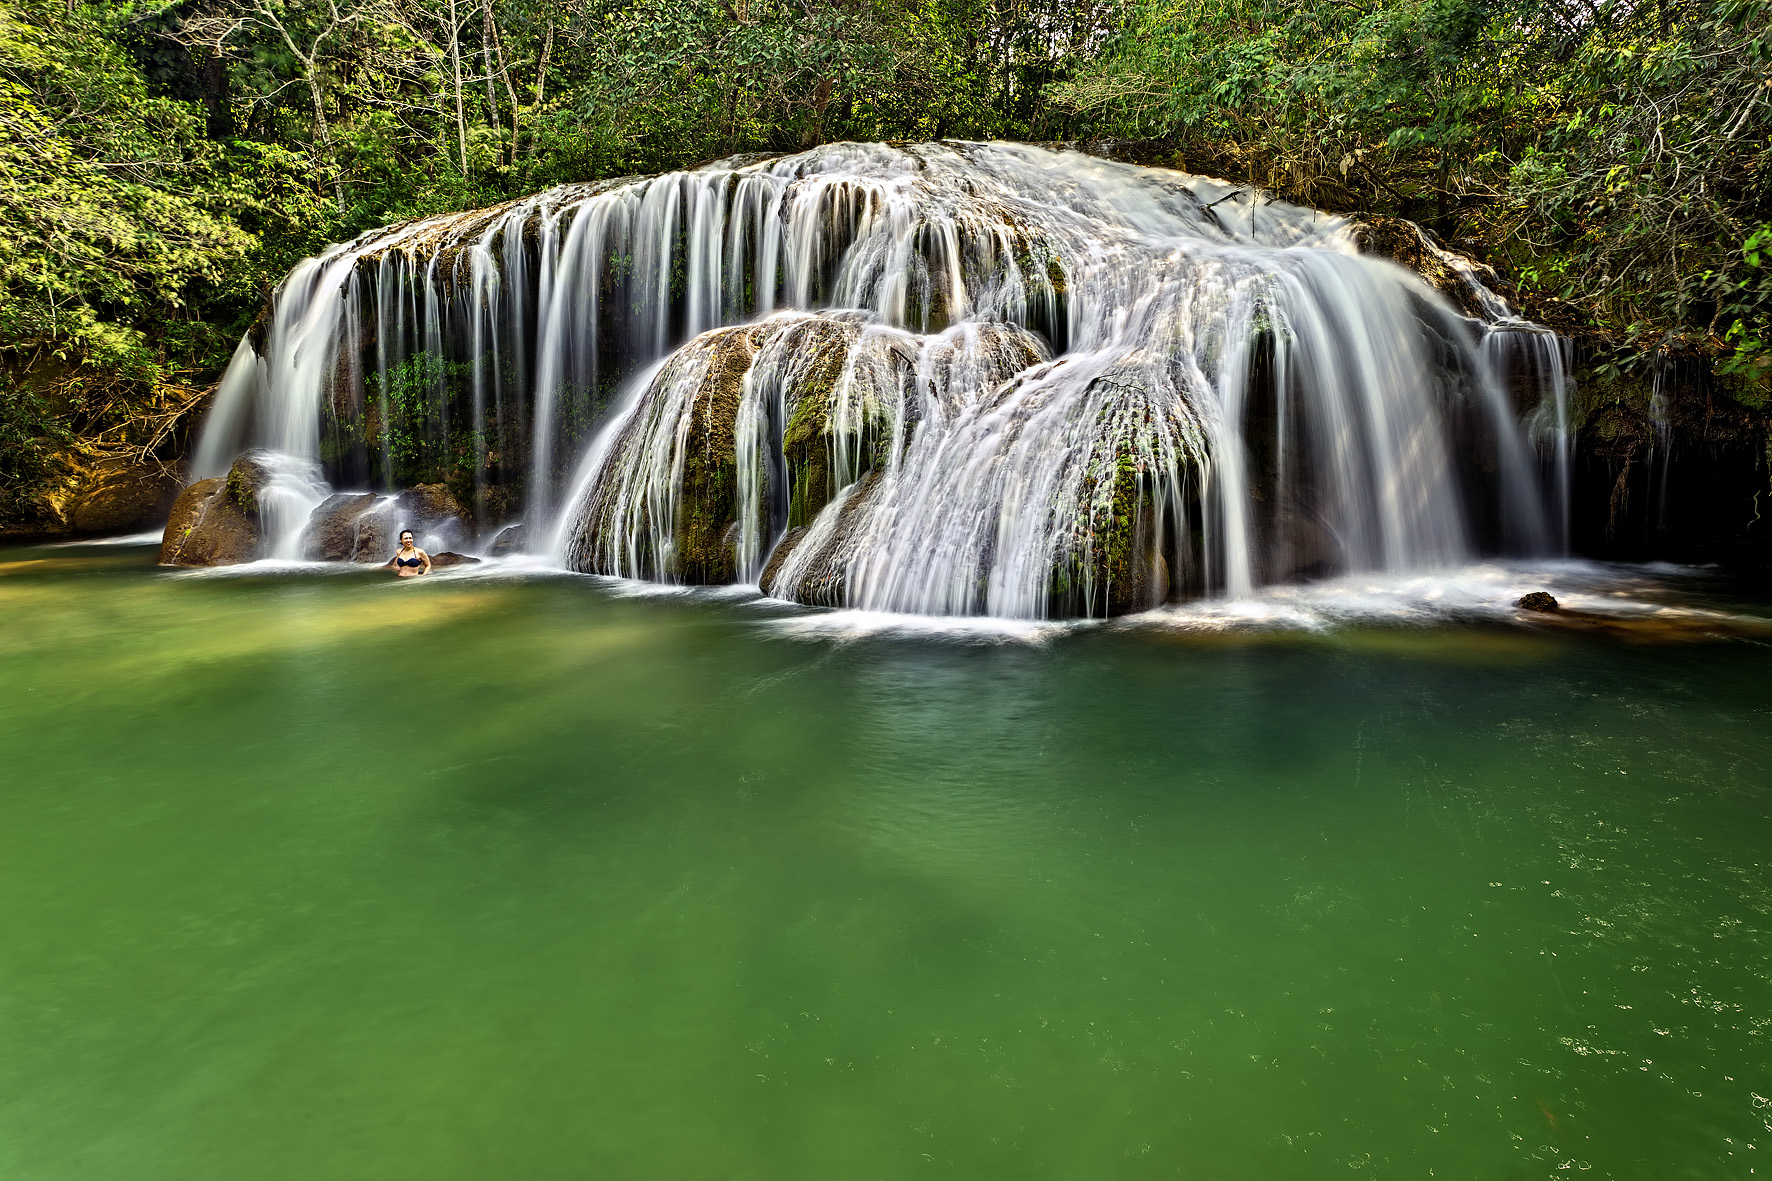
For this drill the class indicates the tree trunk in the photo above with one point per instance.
(504, 74)
(325, 131)
(541, 74)
(453, 33)
(486, 55)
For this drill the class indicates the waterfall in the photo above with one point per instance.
(948, 378)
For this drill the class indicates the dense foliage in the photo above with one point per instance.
(1613, 153)
(161, 164)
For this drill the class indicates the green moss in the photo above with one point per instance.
(707, 504)
(241, 490)
(807, 445)
(1114, 563)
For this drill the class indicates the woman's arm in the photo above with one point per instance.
(427, 558)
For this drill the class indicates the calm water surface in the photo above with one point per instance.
(318, 876)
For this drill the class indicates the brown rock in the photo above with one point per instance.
(342, 529)
(1538, 601)
(1404, 242)
(449, 558)
(429, 505)
(428, 509)
(250, 473)
(208, 528)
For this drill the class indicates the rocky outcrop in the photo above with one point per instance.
(365, 527)
(669, 500)
(250, 475)
(342, 529)
(208, 527)
(1467, 284)
(450, 558)
(510, 541)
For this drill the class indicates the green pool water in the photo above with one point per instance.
(308, 876)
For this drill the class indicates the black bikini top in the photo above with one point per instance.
(399, 561)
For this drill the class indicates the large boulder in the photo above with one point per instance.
(364, 527)
(843, 393)
(251, 474)
(666, 501)
(511, 540)
(923, 536)
(430, 507)
(336, 531)
(209, 528)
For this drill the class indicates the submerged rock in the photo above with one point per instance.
(1538, 601)
(208, 527)
(449, 558)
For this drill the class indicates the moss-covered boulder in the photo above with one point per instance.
(842, 397)
(1113, 557)
(208, 527)
(812, 564)
(249, 476)
(666, 500)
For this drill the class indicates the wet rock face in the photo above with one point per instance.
(1539, 601)
(449, 558)
(249, 476)
(1447, 272)
(671, 501)
(209, 528)
(364, 527)
(337, 532)
(510, 540)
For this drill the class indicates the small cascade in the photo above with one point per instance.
(946, 378)
(1536, 362)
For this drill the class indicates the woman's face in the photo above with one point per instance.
(405, 540)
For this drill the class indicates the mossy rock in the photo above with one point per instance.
(704, 453)
(247, 478)
(1115, 560)
(820, 577)
(841, 407)
(1405, 243)
(707, 503)
(209, 528)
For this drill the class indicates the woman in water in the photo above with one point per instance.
(411, 561)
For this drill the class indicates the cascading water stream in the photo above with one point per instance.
(954, 378)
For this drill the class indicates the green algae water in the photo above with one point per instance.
(317, 876)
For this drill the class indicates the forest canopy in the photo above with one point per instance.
(162, 165)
